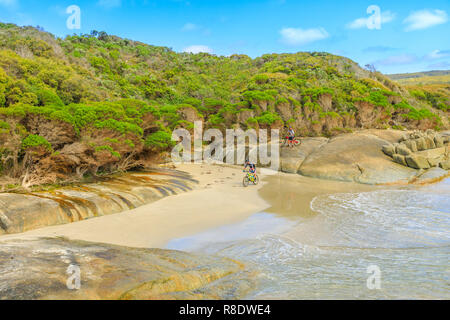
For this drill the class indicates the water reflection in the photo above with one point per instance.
(317, 241)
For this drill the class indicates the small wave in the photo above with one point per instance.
(386, 219)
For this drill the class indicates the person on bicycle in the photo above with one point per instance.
(251, 166)
(291, 136)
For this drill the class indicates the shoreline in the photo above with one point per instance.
(155, 224)
(218, 200)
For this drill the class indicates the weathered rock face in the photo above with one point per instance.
(422, 150)
(355, 157)
(431, 175)
(368, 115)
(38, 270)
(369, 156)
(189, 114)
(244, 115)
(292, 158)
(285, 111)
(445, 165)
(23, 212)
(325, 101)
(417, 162)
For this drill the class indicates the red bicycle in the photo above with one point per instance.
(287, 143)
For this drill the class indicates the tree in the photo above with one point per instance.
(371, 68)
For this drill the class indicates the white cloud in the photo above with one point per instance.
(8, 3)
(424, 19)
(198, 49)
(294, 37)
(386, 17)
(395, 60)
(189, 27)
(438, 54)
(110, 3)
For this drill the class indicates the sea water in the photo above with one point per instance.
(403, 234)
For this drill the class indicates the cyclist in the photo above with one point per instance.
(291, 135)
(251, 166)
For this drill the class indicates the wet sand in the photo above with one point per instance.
(290, 197)
(219, 199)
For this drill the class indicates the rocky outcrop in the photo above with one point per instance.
(291, 159)
(41, 270)
(420, 150)
(325, 101)
(285, 111)
(355, 157)
(369, 157)
(24, 212)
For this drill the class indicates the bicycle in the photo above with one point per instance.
(250, 178)
(286, 142)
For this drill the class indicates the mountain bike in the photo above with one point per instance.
(250, 178)
(286, 142)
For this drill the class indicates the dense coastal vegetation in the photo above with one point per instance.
(96, 103)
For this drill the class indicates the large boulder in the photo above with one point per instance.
(389, 135)
(417, 162)
(355, 157)
(411, 145)
(23, 212)
(438, 141)
(389, 150)
(403, 150)
(421, 144)
(400, 159)
(430, 142)
(46, 269)
(445, 164)
(292, 158)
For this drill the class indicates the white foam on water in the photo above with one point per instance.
(386, 219)
(406, 233)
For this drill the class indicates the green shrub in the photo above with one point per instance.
(35, 141)
(109, 149)
(160, 141)
(268, 118)
(47, 97)
(377, 98)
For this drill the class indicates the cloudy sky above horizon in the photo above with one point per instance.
(396, 37)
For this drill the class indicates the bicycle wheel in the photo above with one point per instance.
(256, 181)
(245, 181)
(297, 142)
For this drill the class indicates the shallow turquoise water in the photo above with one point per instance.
(404, 233)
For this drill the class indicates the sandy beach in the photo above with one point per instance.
(291, 237)
(219, 199)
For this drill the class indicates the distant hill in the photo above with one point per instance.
(429, 77)
(433, 73)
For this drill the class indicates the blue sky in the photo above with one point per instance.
(403, 36)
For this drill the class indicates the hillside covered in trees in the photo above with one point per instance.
(97, 103)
